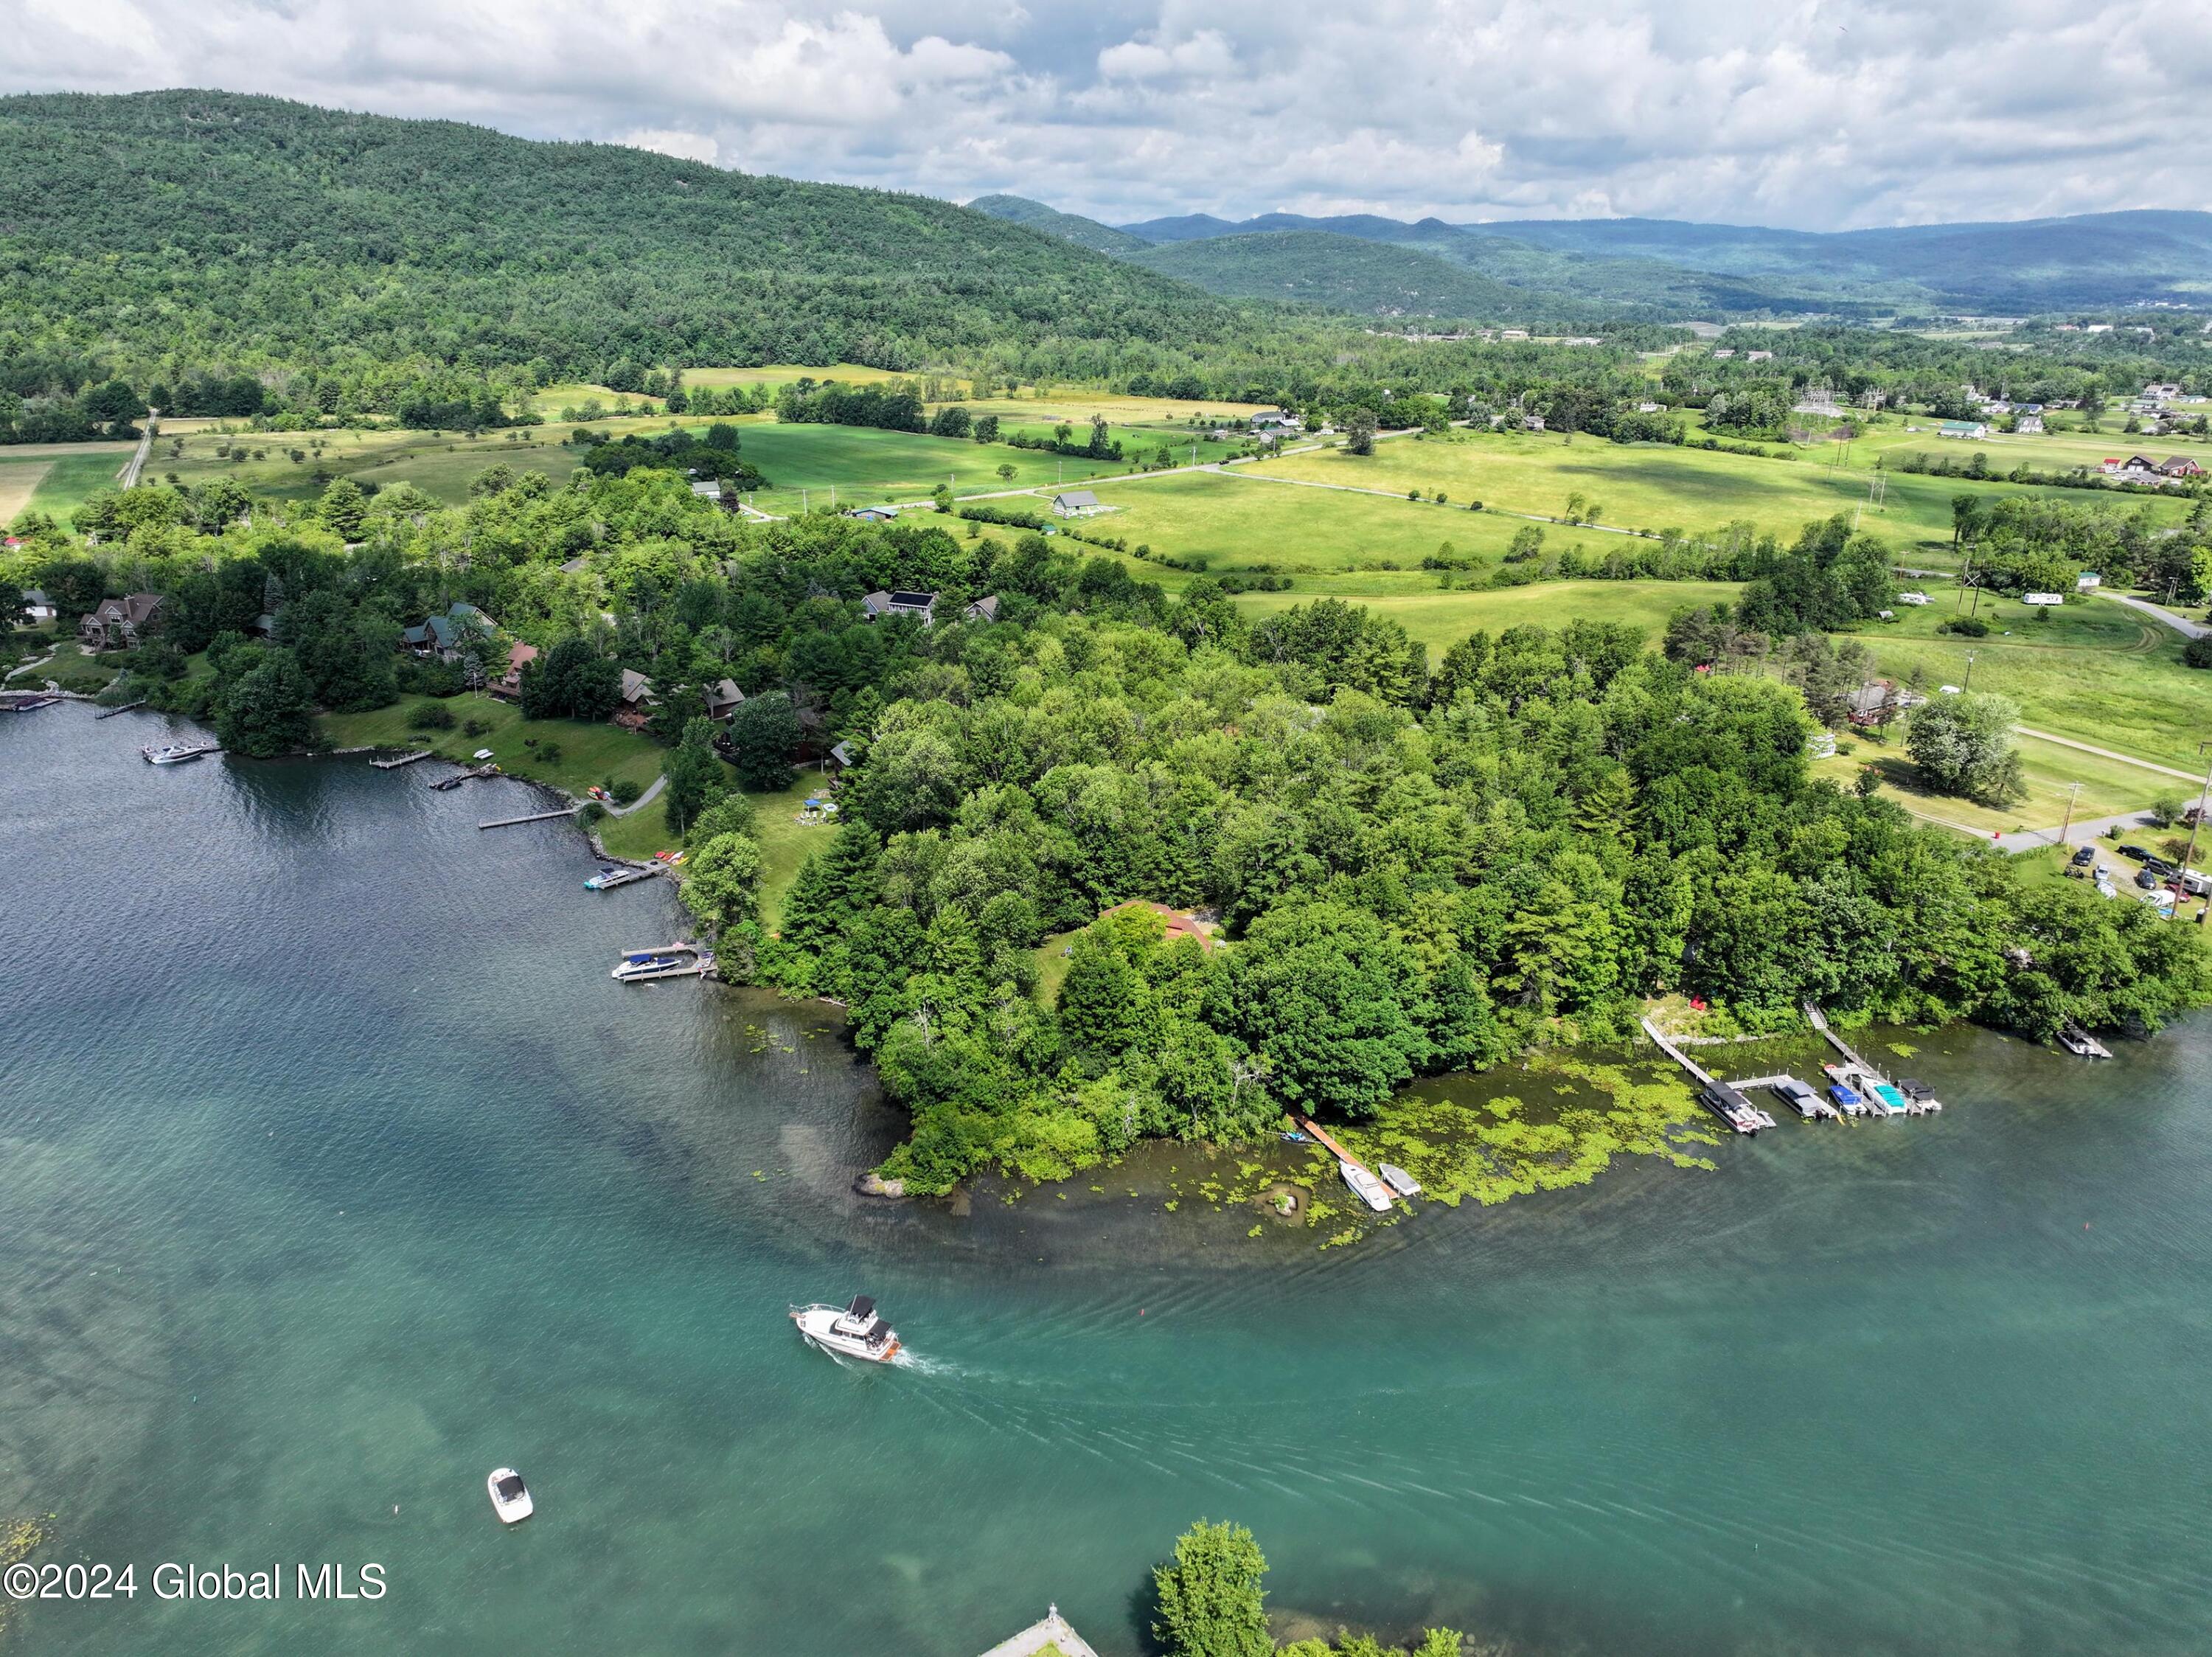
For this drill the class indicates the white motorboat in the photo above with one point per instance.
(1398, 1179)
(681, 960)
(848, 1331)
(510, 1498)
(1365, 1186)
(2079, 1043)
(175, 753)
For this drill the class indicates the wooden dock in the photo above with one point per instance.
(1724, 1098)
(1321, 1135)
(1818, 1021)
(1703, 1078)
(533, 816)
(110, 713)
(393, 764)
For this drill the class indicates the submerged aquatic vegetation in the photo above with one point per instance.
(1491, 1149)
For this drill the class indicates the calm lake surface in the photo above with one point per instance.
(335, 1171)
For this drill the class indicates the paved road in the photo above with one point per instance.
(2180, 624)
(2084, 829)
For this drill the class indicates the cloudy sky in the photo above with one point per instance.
(1829, 115)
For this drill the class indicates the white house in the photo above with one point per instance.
(2083, 583)
(41, 607)
(1075, 503)
(922, 607)
(2042, 600)
(1971, 429)
(2029, 425)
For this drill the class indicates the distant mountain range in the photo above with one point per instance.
(1657, 268)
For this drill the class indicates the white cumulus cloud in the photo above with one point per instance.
(1823, 114)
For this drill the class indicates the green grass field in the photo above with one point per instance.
(864, 466)
(63, 487)
(1439, 619)
(2108, 787)
(588, 753)
(1646, 486)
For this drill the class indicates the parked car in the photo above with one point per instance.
(2135, 853)
(2160, 866)
(2084, 856)
(2146, 880)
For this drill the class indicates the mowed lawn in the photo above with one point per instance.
(1234, 523)
(864, 465)
(1440, 619)
(2049, 771)
(1656, 487)
(589, 754)
(2094, 673)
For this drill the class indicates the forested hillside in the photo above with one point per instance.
(1337, 272)
(167, 232)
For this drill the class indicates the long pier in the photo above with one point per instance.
(534, 817)
(110, 713)
(469, 775)
(1818, 1021)
(1724, 1100)
(1668, 1047)
(393, 764)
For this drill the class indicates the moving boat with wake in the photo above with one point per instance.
(847, 1332)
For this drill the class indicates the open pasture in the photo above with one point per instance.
(1651, 486)
(1439, 619)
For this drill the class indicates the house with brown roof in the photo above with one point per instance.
(2180, 465)
(638, 700)
(122, 623)
(723, 699)
(509, 683)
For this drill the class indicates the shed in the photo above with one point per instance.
(1075, 503)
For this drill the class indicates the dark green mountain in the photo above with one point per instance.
(168, 230)
(1338, 272)
(1068, 227)
(2098, 259)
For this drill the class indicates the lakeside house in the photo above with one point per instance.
(723, 699)
(922, 607)
(447, 636)
(637, 702)
(508, 685)
(122, 623)
(1075, 503)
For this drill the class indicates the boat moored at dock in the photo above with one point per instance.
(1732, 1108)
(176, 753)
(611, 875)
(1398, 1179)
(674, 960)
(1365, 1186)
(847, 1332)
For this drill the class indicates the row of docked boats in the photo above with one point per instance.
(1857, 1091)
(1381, 1188)
(1730, 1105)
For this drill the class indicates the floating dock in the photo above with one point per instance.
(533, 816)
(394, 764)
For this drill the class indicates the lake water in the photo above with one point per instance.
(335, 1171)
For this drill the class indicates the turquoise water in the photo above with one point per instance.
(337, 1172)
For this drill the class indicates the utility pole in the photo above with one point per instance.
(1969, 685)
(2072, 793)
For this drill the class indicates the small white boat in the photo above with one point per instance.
(510, 1498)
(1398, 1179)
(1365, 1186)
(681, 960)
(175, 753)
(2078, 1042)
(615, 874)
(848, 1331)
